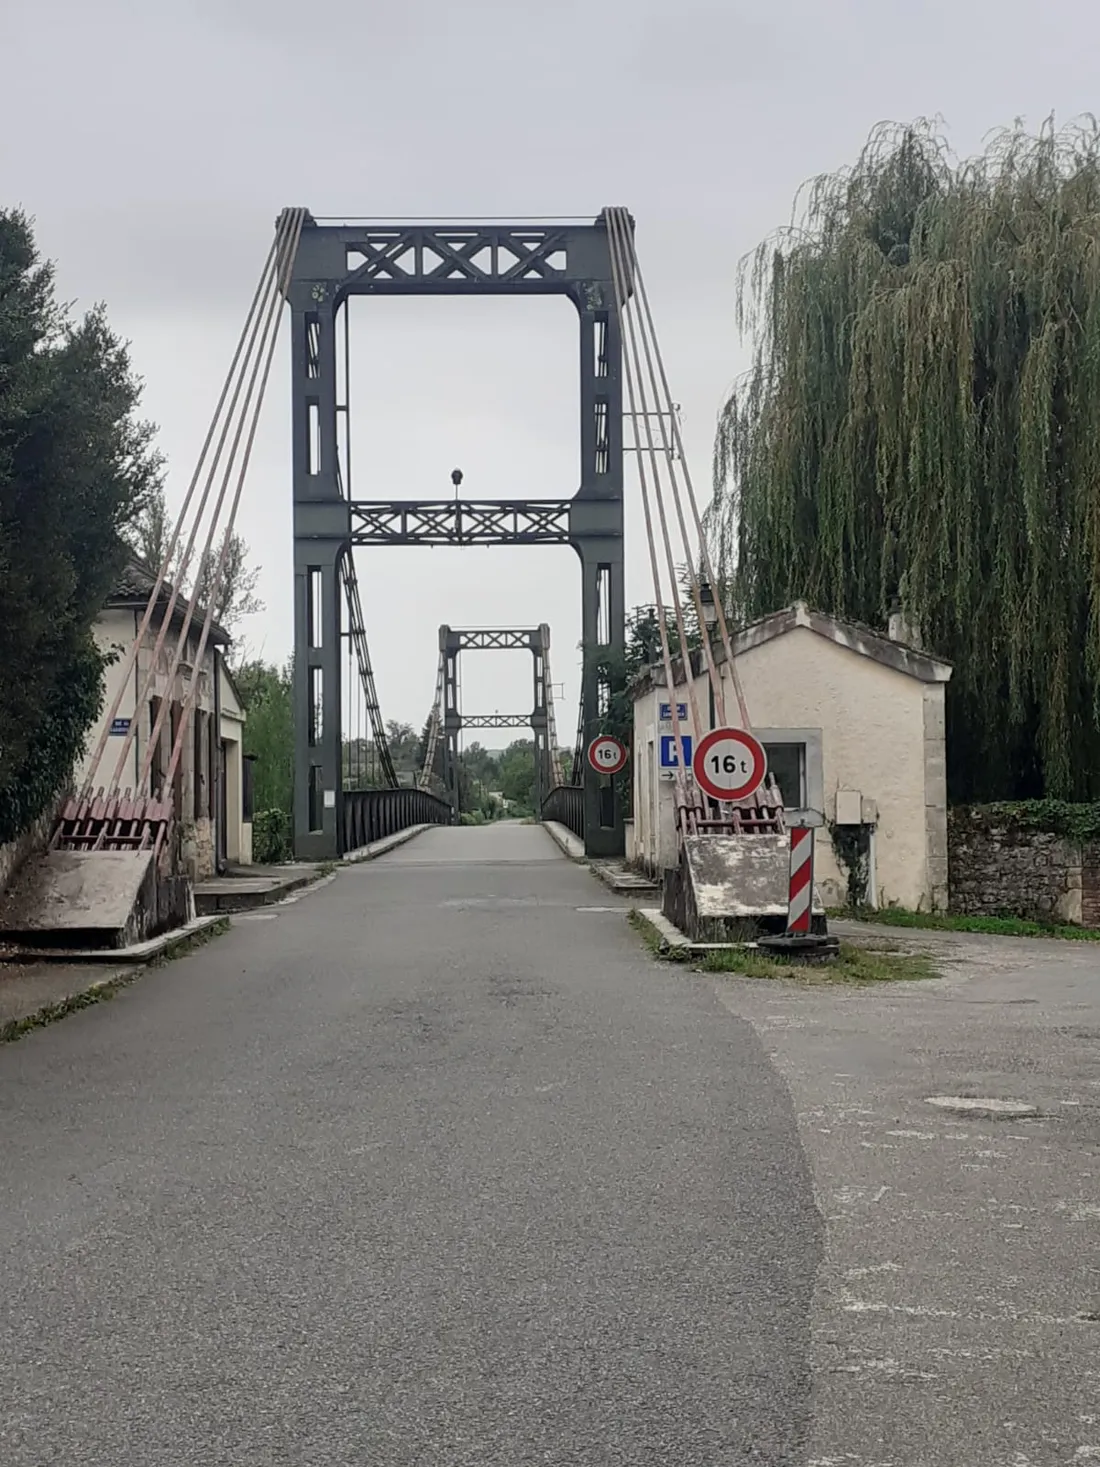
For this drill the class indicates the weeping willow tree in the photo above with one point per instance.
(920, 430)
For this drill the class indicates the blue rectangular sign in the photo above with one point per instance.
(681, 712)
(120, 728)
(668, 751)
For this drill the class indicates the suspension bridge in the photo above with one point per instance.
(347, 791)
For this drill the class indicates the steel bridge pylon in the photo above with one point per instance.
(337, 261)
(452, 642)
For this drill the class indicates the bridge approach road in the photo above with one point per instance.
(431, 1166)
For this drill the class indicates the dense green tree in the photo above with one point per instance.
(76, 466)
(517, 775)
(919, 430)
(482, 766)
(405, 747)
(266, 692)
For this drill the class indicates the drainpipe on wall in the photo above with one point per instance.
(872, 883)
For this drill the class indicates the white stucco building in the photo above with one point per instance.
(853, 725)
(212, 786)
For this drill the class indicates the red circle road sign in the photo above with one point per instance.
(729, 764)
(607, 755)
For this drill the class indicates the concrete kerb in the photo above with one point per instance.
(623, 881)
(380, 847)
(138, 953)
(53, 995)
(672, 940)
(614, 874)
(564, 839)
(46, 999)
(54, 988)
(221, 896)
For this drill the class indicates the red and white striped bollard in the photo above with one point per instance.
(801, 889)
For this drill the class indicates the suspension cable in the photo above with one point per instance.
(170, 550)
(271, 301)
(260, 375)
(640, 341)
(434, 720)
(551, 720)
(576, 774)
(704, 549)
(349, 754)
(617, 265)
(636, 384)
(663, 412)
(358, 636)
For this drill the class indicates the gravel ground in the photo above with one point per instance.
(957, 1314)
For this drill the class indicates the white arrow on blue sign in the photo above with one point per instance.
(668, 751)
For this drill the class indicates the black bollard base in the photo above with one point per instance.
(803, 947)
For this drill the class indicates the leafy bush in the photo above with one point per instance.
(271, 837)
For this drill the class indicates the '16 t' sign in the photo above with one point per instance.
(729, 764)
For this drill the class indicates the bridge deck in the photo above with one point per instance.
(433, 1164)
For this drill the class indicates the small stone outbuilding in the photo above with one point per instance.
(212, 786)
(853, 725)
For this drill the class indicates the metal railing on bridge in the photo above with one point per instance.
(565, 804)
(370, 815)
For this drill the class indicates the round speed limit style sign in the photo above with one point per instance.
(729, 764)
(606, 755)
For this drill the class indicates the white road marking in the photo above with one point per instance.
(964, 1104)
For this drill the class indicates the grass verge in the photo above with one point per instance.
(992, 926)
(856, 966)
(104, 989)
(654, 941)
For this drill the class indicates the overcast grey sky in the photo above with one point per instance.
(155, 141)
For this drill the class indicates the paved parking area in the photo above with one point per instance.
(957, 1311)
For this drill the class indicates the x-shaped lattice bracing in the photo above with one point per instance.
(491, 639)
(460, 522)
(480, 256)
(471, 723)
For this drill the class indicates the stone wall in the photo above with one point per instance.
(18, 851)
(198, 848)
(1000, 868)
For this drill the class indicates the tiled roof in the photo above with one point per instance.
(863, 641)
(135, 585)
(136, 580)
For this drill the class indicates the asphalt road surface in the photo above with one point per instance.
(432, 1166)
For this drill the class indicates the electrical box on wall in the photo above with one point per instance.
(849, 807)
